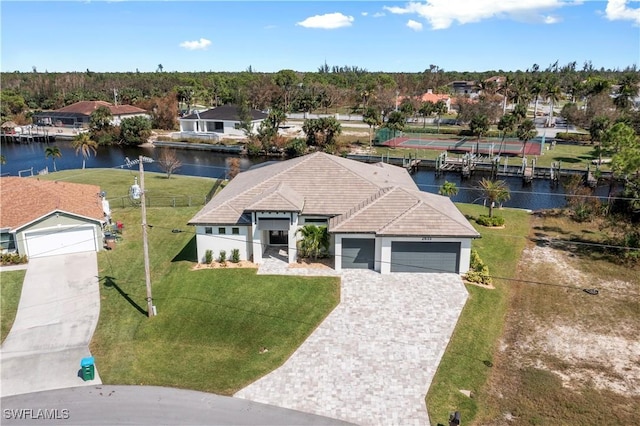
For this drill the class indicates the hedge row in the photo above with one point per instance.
(574, 137)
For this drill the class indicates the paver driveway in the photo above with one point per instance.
(372, 360)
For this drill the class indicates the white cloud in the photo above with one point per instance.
(618, 10)
(550, 19)
(414, 25)
(378, 15)
(328, 21)
(442, 14)
(364, 13)
(201, 44)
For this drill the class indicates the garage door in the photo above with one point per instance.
(54, 242)
(358, 253)
(413, 256)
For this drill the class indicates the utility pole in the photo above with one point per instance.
(145, 244)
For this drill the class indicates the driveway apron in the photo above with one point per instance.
(372, 360)
(57, 315)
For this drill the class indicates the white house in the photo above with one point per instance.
(222, 121)
(376, 216)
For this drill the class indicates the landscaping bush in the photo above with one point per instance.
(235, 255)
(485, 220)
(574, 137)
(223, 256)
(479, 272)
(208, 256)
(13, 259)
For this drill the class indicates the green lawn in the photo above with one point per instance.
(467, 362)
(10, 289)
(211, 324)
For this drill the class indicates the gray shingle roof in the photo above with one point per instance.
(378, 198)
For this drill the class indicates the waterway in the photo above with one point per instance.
(23, 159)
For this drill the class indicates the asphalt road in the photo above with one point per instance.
(145, 405)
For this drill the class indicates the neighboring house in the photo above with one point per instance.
(45, 218)
(77, 115)
(222, 121)
(376, 216)
(464, 87)
(429, 97)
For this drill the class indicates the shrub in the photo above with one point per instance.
(485, 220)
(235, 255)
(13, 259)
(223, 256)
(208, 256)
(574, 137)
(479, 272)
(296, 147)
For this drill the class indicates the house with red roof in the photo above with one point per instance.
(77, 115)
(46, 218)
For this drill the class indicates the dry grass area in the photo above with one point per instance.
(567, 357)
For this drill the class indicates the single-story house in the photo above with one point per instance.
(45, 218)
(222, 121)
(376, 216)
(77, 115)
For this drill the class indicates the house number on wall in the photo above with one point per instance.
(426, 238)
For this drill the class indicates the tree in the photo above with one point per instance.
(599, 125)
(426, 109)
(285, 80)
(439, 109)
(494, 191)
(160, 68)
(315, 241)
(506, 125)
(448, 189)
(85, 145)
(552, 93)
(395, 122)
(3, 159)
(479, 126)
(526, 132)
(100, 119)
(135, 130)
(371, 117)
(322, 131)
(622, 143)
(53, 152)
(168, 162)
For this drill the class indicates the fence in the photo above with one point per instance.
(161, 201)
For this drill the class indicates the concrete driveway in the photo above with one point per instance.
(57, 315)
(372, 360)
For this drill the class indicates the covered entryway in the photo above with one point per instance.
(57, 241)
(358, 253)
(278, 230)
(418, 256)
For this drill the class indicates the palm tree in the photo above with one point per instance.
(53, 152)
(439, 109)
(315, 241)
(526, 132)
(371, 117)
(536, 89)
(83, 143)
(553, 94)
(494, 191)
(426, 109)
(506, 124)
(599, 125)
(448, 189)
(479, 126)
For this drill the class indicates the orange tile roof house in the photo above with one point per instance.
(78, 114)
(45, 218)
(376, 216)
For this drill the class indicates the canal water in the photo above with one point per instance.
(22, 159)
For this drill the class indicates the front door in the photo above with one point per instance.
(278, 238)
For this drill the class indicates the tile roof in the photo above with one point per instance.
(23, 200)
(359, 197)
(225, 113)
(87, 107)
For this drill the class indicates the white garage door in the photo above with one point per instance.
(53, 242)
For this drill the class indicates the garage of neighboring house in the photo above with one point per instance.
(56, 241)
(425, 256)
(358, 253)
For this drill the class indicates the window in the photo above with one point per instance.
(237, 126)
(6, 242)
(222, 231)
(208, 230)
(235, 231)
(316, 221)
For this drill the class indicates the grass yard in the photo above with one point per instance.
(10, 290)
(567, 357)
(466, 365)
(211, 324)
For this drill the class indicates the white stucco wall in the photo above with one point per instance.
(227, 242)
(208, 126)
(261, 238)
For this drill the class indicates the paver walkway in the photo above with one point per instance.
(57, 315)
(372, 360)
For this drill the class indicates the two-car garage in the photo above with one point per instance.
(425, 256)
(401, 256)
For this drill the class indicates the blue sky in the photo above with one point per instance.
(460, 35)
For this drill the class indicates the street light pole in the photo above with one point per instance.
(145, 243)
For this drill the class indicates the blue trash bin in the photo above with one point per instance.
(88, 368)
